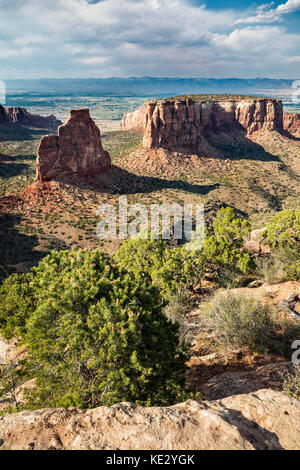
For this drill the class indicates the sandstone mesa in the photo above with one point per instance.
(184, 122)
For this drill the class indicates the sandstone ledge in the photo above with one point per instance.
(263, 420)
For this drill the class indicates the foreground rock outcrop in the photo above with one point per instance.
(22, 117)
(263, 420)
(183, 122)
(76, 150)
(291, 123)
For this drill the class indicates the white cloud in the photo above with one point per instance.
(289, 6)
(294, 59)
(268, 14)
(74, 38)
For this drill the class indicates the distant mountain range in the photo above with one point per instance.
(145, 86)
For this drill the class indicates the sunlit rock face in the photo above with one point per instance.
(291, 123)
(76, 150)
(179, 123)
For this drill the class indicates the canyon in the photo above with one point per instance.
(20, 116)
(184, 122)
(76, 150)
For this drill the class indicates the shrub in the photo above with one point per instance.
(223, 247)
(240, 321)
(284, 229)
(283, 236)
(271, 268)
(17, 302)
(291, 383)
(178, 307)
(98, 336)
(151, 261)
(10, 379)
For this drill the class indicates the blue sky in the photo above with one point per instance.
(166, 38)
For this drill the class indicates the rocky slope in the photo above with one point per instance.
(76, 150)
(22, 117)
(291, 123)
(183, 122)
(262, 420)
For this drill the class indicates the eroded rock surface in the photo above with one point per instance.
(263, 420)
(235, 383)
(291, 123)
(183, 123)
(22, 117)
(76, 150)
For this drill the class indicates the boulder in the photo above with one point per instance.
(76, 150)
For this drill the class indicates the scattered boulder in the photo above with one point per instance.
(284, 293)
(291, 305)
(76, 150)
(263, 420)
(257, 235)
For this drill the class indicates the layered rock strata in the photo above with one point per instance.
(182, 123)
(22, 117)
(291, 123)
(76, 150)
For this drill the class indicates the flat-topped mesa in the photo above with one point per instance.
(291, 123)
(76, 150)
(182, 122)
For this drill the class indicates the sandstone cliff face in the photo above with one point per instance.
(291, 123)
(182, 124)
(135, 120)
(22, 117)
(76, 150)
(262, 420)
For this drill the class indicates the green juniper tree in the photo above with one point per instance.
(98, 336)
(223, 247)
(283, 236)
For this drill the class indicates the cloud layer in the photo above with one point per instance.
(80, 38)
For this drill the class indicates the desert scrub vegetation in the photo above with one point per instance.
(177, 309)
(95, 335)
(16, 304)
(168, 269)
(223, 252)
(239, 321)
(283, 237)
(222, 257)
(211, 97)
(291, 382)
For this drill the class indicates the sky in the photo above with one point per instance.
(159, 38)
